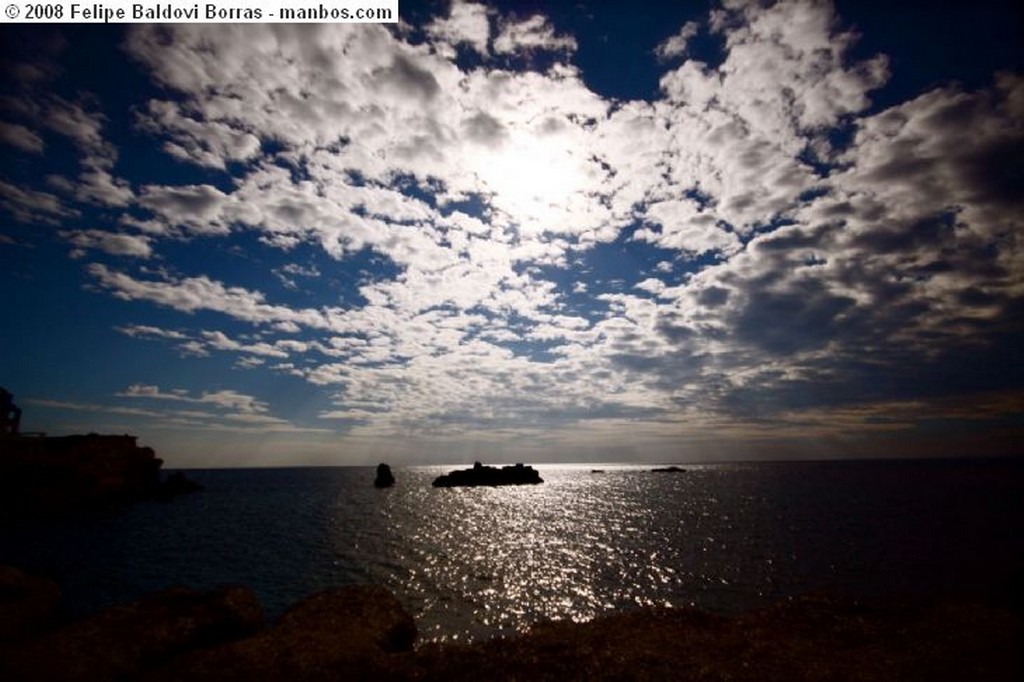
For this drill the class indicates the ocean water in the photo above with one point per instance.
(472, 563)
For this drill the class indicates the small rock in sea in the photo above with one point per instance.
(385, 479)
(669, 470)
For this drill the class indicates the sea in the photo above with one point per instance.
(471, 563)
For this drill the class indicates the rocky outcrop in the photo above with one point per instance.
(809, 638)
(363, 633)
(668, 470)
(52, 476)
(347, 633)
(384, 479)
(127, 640)
(490, 476)
(176, 484)
(28, 603)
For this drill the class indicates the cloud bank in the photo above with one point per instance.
(755, 252)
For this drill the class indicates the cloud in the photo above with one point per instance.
(535, 33)
(675, 46)
(233, 411)
(197, 208)
(146, 331)
(190, 294)
(211, 144)
(755, 246)
(29, 206)
(146, 391)
(466, 24)
(229, 400)
(220, 341)
(21, 137)
(109, 242)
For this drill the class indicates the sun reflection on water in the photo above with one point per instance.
(571, 548)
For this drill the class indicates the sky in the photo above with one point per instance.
(544, 232)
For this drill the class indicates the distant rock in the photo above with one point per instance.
(385, 479)
(668, 470)
(490, 476)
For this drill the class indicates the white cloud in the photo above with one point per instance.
(31, 206)
(21, 137)
(466, 23)
(190, 294)
(777, 272)
(110, 242)
(534, 33)
(675, 46)
(146, 331)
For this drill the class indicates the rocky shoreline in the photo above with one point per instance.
(363, 632)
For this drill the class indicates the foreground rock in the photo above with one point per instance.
(54, 476)
(809, 639)
(489, 476)
(28, 603)
(363, 633)
(348, 633)
(128, 640)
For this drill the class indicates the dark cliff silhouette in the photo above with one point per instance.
(56, 476)
(10, 414)
(44, 476)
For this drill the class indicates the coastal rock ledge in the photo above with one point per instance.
(489, 476)
(55, 476)
(363, 633)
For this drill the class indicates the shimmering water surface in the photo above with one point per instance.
(470, 563)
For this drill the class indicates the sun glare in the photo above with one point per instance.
(533, 179)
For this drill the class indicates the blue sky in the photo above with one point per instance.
(549, 232)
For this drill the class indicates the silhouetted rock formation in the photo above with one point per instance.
(385, 479)
(42, 476)
(128, 640)
(485, 475)
(363, 633)
(177, 484)
(668, 470)
(341, 634)
(808, 638)
(10, 414)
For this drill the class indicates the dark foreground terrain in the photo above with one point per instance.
(364, 633)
